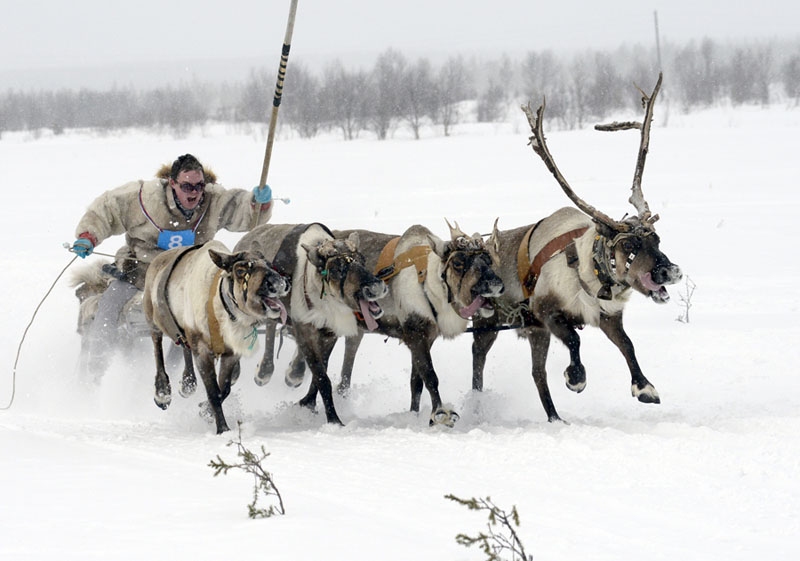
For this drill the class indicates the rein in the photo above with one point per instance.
(25, 333)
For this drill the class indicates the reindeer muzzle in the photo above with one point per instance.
(370, 310)
(655, 280)
(274, 287)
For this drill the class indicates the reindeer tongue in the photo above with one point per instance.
(649, 283)
(277, 303)
(372, 325)
(469, 311)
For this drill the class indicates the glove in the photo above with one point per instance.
(82, 247)
(262, 195)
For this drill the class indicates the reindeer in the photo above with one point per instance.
(435, 288)
(331, 290)
(578, 267)
(210, 302)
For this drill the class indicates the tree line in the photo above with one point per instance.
(396, 92)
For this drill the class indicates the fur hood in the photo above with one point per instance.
(165, 169)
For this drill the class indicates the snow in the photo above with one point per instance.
(98, 472)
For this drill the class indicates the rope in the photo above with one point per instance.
(16, 360)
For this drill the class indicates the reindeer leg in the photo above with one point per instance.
(206, 366)
(351, 345)
(267, 365)
(297, 369)
(229, 369)
(188, 380)
(316, 346)
(419, 341)
(163, 395)
(641, 388)
(539, 340)
(416, 387)
(561, 327)
(482, 341)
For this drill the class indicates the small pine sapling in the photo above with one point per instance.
(251, 463)
(501, 536)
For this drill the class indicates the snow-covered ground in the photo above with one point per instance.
(98, 472)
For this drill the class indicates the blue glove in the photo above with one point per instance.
(262, 195)
(82, 247)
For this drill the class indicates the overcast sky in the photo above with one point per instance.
(67, 39)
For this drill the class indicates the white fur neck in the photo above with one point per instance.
(324, 312)
(240, 335)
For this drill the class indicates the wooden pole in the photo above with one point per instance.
(658, 41)
(276, 103)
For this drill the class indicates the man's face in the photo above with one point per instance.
(189, 188)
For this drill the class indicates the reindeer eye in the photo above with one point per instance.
(458, 263)
(627, 246)
(241, 272)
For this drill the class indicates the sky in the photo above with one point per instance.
(49, 43)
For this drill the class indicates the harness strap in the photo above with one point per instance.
(523, 260)
(165, 311)
(286, 256)
(214, 331)
(551, 249)
(416, 256)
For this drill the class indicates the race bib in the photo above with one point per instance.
(168, 239)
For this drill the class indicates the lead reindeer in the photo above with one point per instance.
(578, 267)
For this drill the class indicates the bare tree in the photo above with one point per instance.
(451, 89)
(750, 73)
(494, 99)
(791, 77)
(303, 98)
(255, 99)
(606, 86)
(387, 86)
(345, 94)
(418, 89)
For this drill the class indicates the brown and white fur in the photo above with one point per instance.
(246, 294)
(565, 299)
(459, 283)
(614, 258)
(330, 286)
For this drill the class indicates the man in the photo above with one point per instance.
(179, 210)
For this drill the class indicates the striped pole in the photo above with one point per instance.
(276, 103)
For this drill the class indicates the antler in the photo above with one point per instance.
(537, 142)
(637, 198)
(456, 232)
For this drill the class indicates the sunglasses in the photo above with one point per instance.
(191, 187)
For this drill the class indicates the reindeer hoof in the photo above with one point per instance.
(237, 369)
(162, 400)
(188, 386)
(293, 378)
(444, 417)
(264, 374)
(575, 377)
(647, 394)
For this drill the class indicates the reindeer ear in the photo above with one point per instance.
(604, 230)
(354, 240)
(223, 260)
(493, 243)
(313, 255)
